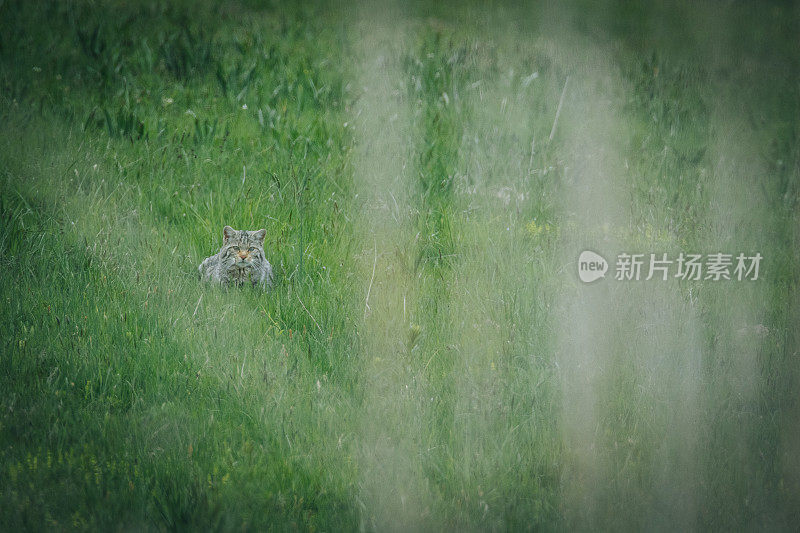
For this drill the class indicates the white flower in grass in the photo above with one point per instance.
(528, 79)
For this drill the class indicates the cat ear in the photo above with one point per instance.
(228, 232)
(259, 235)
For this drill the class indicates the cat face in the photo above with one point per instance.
(242, 249)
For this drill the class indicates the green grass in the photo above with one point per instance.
(427, 358)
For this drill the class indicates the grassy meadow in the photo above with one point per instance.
(427, 174)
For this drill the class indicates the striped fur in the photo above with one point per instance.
(240, 260)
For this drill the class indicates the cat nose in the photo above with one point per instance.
(242, 254)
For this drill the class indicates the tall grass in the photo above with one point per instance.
(427, 176)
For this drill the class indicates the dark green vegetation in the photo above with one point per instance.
(427, 358)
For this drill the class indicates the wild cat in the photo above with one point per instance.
(240, 260)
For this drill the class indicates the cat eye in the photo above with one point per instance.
(236, 248)
(252, 249)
